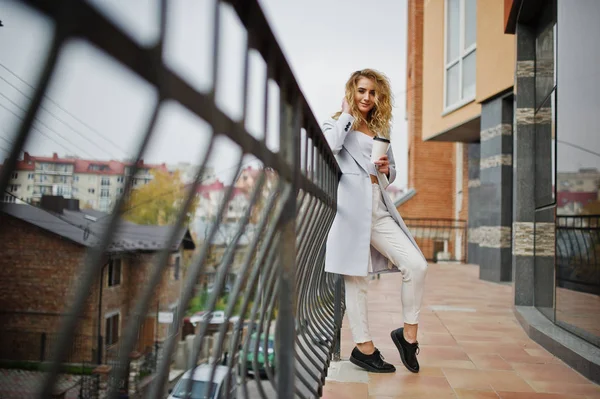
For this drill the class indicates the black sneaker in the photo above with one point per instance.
(408, 351)
(373, 363)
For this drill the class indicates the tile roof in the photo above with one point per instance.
(80, 165)
(85, 228)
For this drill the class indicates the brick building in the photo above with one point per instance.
(436, 170)
(43, 250)
(460, 70)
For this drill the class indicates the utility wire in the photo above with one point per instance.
(64, 110)
(46, 126)
(8, 141)
(38, 130)
(62, 121)
(578, 147)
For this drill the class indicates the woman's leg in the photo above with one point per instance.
(364, 355)
(356, 309)
(389, 239)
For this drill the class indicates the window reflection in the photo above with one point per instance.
(578, 171)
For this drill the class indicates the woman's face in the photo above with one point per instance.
(364, 96)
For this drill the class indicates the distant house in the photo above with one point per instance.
(96, 184)
(43, 250)
(222, 239)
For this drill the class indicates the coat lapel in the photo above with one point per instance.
(353, 148)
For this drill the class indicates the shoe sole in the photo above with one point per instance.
(369, 368)
(399, 346)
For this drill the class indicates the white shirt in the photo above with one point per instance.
(366, 145)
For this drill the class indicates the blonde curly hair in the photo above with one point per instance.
(380, 117)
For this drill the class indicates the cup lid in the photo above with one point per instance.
(381, 139)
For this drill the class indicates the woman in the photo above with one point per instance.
(368, 234)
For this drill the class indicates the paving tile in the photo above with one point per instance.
(431, 352)
(472, 346)
(549, 373)
(507, 381)
(474, 394)
(537, 395)
(467, 379)
(409, 386)
(588, 389)
(346, 372)
(490, 362)
(437, 339)
(346, 390)
(457, 364)
(539, 352)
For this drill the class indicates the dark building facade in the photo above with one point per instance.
(556, 179)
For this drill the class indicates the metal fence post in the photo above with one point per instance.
(43, 347)
(286, 326)
(337, 309)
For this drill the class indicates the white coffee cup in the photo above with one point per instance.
(380, 148)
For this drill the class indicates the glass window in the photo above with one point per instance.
(468, 82)
(452, 78)
(544, 64)
(453, 30)
(578, 163)
(460, 38)
(114, 272)
(176, 268)
(470, 23)
(112, 330)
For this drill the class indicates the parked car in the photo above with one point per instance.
(200, 376)
(269, 354)
(216, 317)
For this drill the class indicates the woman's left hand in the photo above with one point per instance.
(383, 165)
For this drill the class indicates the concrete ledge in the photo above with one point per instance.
(574, 351)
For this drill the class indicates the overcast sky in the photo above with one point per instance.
(324, 41)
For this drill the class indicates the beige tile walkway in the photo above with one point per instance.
(472, 346)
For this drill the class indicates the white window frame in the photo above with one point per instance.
(463, 53)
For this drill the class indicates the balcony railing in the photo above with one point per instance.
(54, 172)
(440, 239)
(578, 253)
(281, 289)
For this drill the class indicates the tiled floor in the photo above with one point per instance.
(472, 347)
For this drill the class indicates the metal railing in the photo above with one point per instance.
(281, 284)
(440, 239)
(578, 253)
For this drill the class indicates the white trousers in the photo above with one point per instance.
(389, 239)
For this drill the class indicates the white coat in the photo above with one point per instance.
(349, 241)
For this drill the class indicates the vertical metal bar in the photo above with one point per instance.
(43, 347)
(337, 318)
(286, 330)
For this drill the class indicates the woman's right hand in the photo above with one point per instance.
(345, 106)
